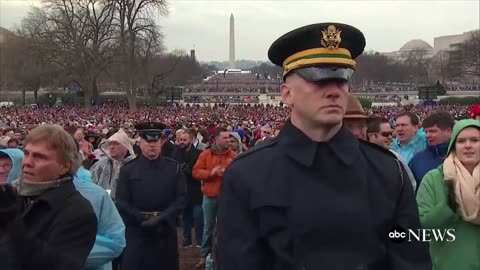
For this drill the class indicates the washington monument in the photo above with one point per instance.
(231, 64)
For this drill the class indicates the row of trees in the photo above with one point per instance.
(415, 66)
(94, 43)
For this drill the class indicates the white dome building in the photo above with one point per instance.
(416, 44)
(413, 45)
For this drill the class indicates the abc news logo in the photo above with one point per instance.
(398, 235)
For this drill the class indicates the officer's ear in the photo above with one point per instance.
(286, 92)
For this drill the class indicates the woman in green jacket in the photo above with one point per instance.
(449, 198)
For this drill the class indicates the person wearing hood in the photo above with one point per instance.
(110, 239)
(438, 128)
(236, 143)
(10, 165)
(449, 198)
(118, 151)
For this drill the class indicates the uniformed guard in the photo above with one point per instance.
(151, 192)
(316, 197)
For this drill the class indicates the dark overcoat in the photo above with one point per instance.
(54, 231)
(150, 186)
(293, 203)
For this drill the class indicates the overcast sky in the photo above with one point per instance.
(387, 25)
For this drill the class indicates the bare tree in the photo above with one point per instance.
(25, 68)
(440, 65)
(149, 47)
(418, 62)
(471, 55)
(135, 19)
(8, 54)
(78, 35)
(373, 66)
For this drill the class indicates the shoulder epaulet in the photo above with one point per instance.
(378, 148)
(131, 160)
(170, 159)
(174, 162)
(258, 147)
(389, 153)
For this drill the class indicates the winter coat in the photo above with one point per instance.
(110, 240)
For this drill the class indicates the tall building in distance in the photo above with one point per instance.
(192, 55)
(231, 59)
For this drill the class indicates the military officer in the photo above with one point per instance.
(315, 197)
(151, 192)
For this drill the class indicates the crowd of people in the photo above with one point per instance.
(236, 82)
(104, 147)
(319, 183)
(100, 119)
(253, 83)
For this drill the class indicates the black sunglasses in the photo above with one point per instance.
(386, 133)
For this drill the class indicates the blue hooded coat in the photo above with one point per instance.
(16, 155)
(417, 144)
(110, 240)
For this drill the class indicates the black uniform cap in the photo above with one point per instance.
(319, 51)
(150, 131)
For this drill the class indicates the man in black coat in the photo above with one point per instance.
(151, 193)
(316, 197)
(44, 221)
(192, 216)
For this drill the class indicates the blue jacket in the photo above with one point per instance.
(427, 160)
(417, 144)
(110, 240)
(16, 155)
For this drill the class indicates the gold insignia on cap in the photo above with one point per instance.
(331, 37)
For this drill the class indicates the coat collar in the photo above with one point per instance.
(439, 149)
(57, 196)
(303, 149)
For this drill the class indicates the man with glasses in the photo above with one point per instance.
(380, 132)
(265, 133)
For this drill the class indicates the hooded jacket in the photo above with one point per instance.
(16, 155)
(103, 173)
(110, 239)
(427, 160)
(240, 146)
(417, 144)
(432, 199)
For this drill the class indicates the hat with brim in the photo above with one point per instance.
(151, 135)
(354, 109)
(356, 115)
(150, 131)
(320, 73)
(319, 51)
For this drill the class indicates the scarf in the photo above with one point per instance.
(216, 150)
(29, 189)
(466, 187)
